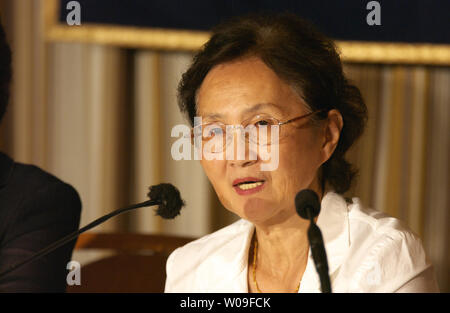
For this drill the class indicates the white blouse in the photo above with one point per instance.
(367, 251)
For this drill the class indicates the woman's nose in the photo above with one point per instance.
(241, 152)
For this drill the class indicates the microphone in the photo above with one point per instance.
(166, 196)
(307, 205)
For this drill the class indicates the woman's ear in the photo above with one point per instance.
(332, 133)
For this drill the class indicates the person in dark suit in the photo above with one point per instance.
(36, 209)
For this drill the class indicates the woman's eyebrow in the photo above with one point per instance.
(212, 116)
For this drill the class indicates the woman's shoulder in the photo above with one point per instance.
(215, 241)
(384, 254)
(371, 224)
(359, 225)
(209, 254)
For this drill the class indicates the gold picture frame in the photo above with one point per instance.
(184, 40)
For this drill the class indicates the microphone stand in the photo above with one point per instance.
(75, 234)
(318, 252)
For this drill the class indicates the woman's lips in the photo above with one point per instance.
(248, 185)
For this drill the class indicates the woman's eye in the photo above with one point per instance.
(215, 131)
(263, 123)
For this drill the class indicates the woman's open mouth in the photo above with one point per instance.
(248, 185)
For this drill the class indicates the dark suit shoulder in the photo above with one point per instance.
(45, 188)
(14, 175)
(36, 209)
(32, 175)
(34, 198)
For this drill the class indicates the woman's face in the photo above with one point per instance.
(236, 91)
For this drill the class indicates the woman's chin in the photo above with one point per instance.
(258, 210)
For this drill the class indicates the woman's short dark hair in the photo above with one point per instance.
(299, 55)
(5, 71)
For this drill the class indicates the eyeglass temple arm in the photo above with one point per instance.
(300, 117)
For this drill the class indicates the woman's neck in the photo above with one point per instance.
(285, 241)
(282, 247)
(282, 251)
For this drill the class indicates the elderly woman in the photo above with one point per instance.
(276, 70)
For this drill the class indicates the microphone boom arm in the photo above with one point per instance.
(64, 240)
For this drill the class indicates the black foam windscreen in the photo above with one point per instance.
(169, 199)
(305, 199)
